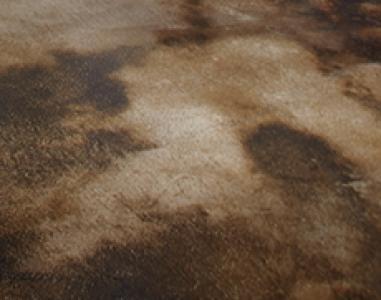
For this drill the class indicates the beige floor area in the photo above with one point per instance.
(190, 149)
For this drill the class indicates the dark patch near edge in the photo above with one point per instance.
(199, 26)
(35, 100)
(90, 74)
(307, 168)
(285, 154)
(193, 258)
(342, 22)
(102, 145)
(341, 26)
(37, 148)
(362, 94)
(12, 246)
(348, 20)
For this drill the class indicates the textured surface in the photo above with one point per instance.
(190, 149)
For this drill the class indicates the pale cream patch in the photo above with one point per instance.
(28, 33)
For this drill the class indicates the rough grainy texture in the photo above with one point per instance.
(190, 149)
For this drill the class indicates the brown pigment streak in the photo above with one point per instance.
(348, 16)
(362, 94)
(37, 148)
(36, 100)
(347, 21)
(193, 258)
(349, 37)
(199, 26)
(338, 32)
(306, 167)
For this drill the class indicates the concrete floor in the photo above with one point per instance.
(190, 149)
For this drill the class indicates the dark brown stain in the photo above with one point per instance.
(16, 240)
(34, 102)
(193, 258)
(362, 94)
(90, 76)
(116, 142)
(338, 32)
(37, 148)
(352, 19)
(353, 294)
(20, 234)
(198, 26)
(102, 145)
(197, 257)
(309, 170)
(355, 26)
(288, 154)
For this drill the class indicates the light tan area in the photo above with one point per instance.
(29, 32)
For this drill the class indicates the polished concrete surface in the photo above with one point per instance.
(190, 149)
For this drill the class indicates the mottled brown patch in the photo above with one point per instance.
(338, 32)
(50, 118)
(288, 154)
(17, 238)
(35, 101)
(310, 171)
(103, 144)
(350, 18)
(198, 26)
(362, 94)
(195, 257)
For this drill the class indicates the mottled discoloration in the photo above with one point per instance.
(197, 25)
(311, 174)
(190, 150)
(37, 100)
(363, 94)
(193, 257)
(175, 265)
